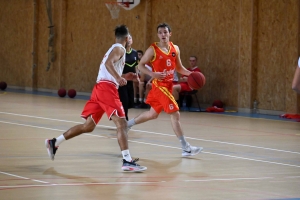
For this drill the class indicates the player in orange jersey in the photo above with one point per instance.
(165, 59)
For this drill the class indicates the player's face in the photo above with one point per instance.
(140, 55)
(193, 61)
(129, 41)
(163, 34)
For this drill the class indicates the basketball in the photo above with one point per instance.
(62, 92)
(196, 80)
(3, 85)
(72, 93)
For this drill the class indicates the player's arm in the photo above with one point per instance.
(147, 57)
(115, 55)
(296, 80)
(179, 67)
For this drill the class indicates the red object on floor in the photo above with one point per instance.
(214, 109)
(291, 116)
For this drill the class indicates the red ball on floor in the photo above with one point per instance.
(3, 85)
(72, 93)
(62, 92)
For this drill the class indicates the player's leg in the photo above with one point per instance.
(135, 92)
(91, 112)
(130, 93)
(176, 90)
(52, 144)
(141, 91)
(143, 117)
(124, 98)
(128, 163)
(187, 149)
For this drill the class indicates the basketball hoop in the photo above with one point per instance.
(114, 8)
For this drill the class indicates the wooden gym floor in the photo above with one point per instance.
(243, 158)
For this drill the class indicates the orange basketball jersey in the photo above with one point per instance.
(164, 61)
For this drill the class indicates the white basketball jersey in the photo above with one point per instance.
(103, 74)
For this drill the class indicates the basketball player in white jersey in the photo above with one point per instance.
(105, 99)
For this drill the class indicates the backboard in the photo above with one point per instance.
(130, 3)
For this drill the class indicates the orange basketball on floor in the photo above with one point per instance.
(196, 80)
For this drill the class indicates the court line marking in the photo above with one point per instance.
(237, 157)
(139, 182)
(164, 134)
(21, 177)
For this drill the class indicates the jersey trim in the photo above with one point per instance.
(130, 65)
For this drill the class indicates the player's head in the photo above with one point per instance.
(121, 33)
(140, 53)
(129, 41)
(164, 32)
(193, 61)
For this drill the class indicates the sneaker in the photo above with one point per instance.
(51, 148)
(132, 166)
(191, 151)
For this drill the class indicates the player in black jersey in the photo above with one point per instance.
(126, 92)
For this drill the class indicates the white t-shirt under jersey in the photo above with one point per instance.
(103, 74)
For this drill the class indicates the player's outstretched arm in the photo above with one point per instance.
(179, 67)
(296, 80)
(115, 55)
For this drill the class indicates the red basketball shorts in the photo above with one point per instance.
(161, 98)
(104, 99)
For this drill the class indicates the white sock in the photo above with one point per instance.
(59, 140)
(141, 99)
(183, 142)
(135, 100)
(126, 155)
(130, 123)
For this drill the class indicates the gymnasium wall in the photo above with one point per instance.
(247, 49)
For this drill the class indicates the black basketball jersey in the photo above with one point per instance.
(131, 61)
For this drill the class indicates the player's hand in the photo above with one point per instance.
(130, 76)
(160, 75)
(122, 81)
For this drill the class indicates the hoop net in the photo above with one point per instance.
(114, 8)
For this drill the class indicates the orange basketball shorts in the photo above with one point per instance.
(161, 98)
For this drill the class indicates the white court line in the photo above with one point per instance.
(148, 182)
(22, 177)
(237, 157)
(164, 134)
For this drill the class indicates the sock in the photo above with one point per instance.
(141, 100)
(59, 140)
(126, 155)
(144, 100)
(135, 100)
(130, 123)
(183, 142)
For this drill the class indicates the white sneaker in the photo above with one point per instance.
(191, 151)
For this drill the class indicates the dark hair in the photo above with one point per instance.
(121, 31)
(164, 25)
(140, 51)
(194, 57)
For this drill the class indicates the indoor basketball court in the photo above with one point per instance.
(246, 50)
(243, 157)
